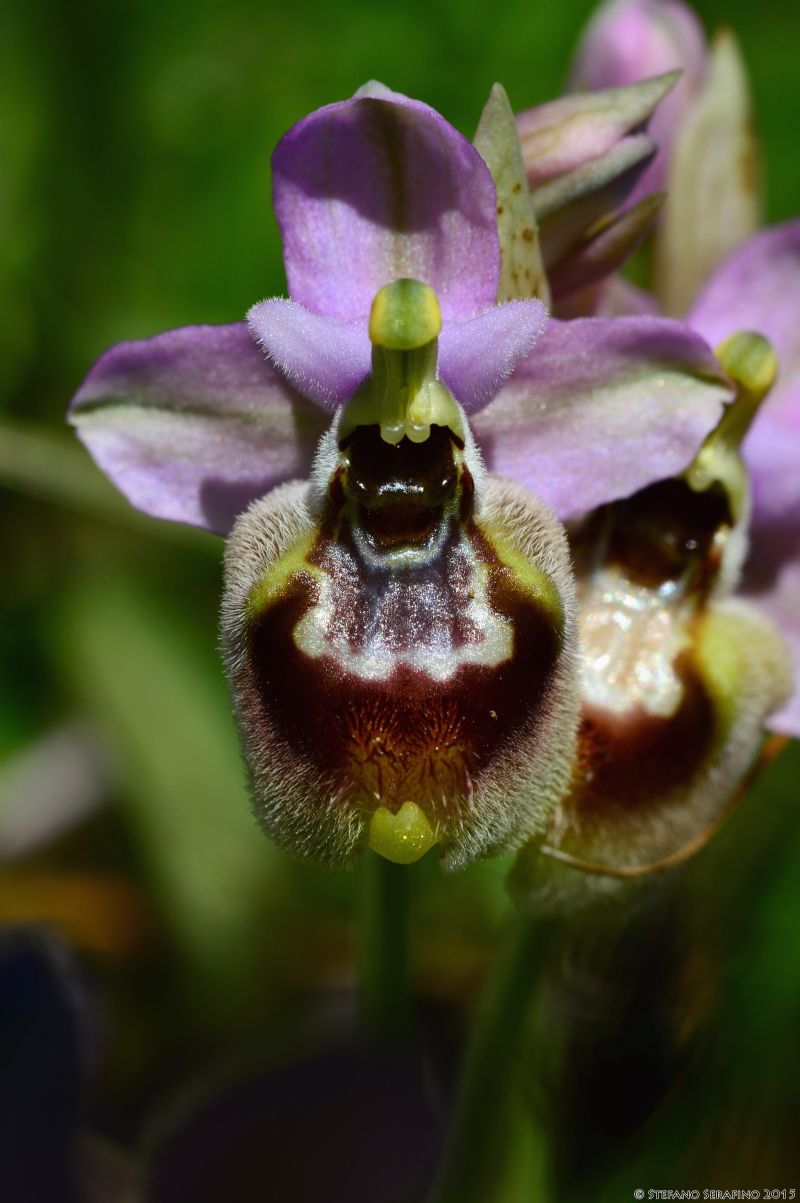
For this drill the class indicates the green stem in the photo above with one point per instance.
(475, 1160)
(385, 994)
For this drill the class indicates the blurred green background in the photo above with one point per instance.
(134, 151)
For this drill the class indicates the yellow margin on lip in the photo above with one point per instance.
(716, 652)
(274, 583)
(534, 580)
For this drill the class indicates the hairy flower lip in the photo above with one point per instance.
(677, 677)
(754, 289)
(431, 720)
(672, 714)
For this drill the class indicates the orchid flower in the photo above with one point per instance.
(643, 795)
(587, 161)
(677, 674)
(391, 454)
(708, 160)
(713, 267)
(758, 288)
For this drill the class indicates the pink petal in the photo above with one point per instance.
(325, 358)
(477, 355)
(378, 187)
(602, 407)
(562, 135)
(192, 425)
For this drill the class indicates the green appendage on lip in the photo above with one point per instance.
(402, 837)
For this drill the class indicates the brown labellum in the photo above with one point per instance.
(676, 681)
(398, 637)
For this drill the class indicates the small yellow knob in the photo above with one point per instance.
(402, 836)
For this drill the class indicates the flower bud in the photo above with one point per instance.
(584, 157)
(631, 40)
(398, 633)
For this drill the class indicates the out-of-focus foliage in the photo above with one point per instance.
(134, 150)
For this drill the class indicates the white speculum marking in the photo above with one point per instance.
(428, 611)
(630, 638)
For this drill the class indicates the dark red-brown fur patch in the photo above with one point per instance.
(407, 737)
